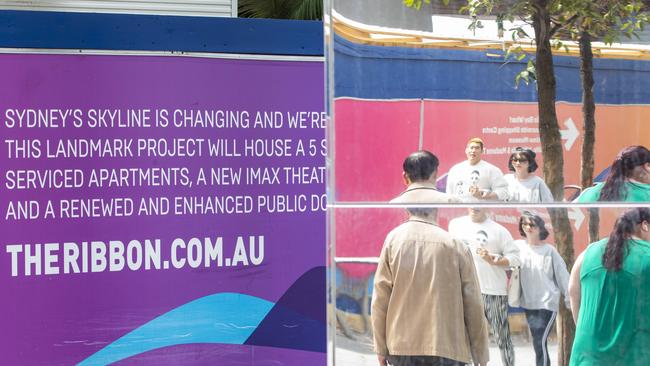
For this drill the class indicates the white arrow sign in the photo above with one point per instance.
(577, 216)
(570, 134)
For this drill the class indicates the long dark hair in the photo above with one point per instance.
(622, 169)
(617, 245)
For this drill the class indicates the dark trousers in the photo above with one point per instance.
(540, 323)
(421, 361)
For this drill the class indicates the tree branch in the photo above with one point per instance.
(526, 20)
(559, 26)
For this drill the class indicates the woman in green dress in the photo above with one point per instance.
(628, 179)
(609, 290)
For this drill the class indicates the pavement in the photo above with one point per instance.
(358, 352)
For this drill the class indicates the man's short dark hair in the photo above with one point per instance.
(420, 165)
(422, 211)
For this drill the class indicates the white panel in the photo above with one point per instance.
(210, 8)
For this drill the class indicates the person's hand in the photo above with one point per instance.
(483, 253)
(475, 192)
(382, 360)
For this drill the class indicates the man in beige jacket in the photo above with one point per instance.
(426, 306)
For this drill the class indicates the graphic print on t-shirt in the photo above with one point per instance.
(481, 239)
(474, 177)
(460, 190)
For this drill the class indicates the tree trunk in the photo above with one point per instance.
(589, 127)
(588, 111)
(549, 132)
(563, 236)
(549, 129)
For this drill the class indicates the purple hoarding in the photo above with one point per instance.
(162, 210)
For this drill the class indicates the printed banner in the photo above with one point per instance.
(162, 210)
(374, 136)
(384, 132)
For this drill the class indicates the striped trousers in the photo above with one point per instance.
(496, 312)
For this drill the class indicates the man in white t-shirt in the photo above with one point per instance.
(476, 180)
(493, 251)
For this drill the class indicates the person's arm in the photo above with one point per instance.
(499, 189)
(561, 276)
(588, 195)
(575, 287)
(545, 192)
(493, 259)
(473, 307)
(510, 250)
(383, 287)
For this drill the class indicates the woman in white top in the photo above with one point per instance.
(523, 184)
(543, 277)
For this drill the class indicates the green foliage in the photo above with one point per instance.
(281, 9)
(606, 19)
(527, 75)
(417, 4)
(609, 20)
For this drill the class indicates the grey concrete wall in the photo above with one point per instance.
(394, 14)
(385, 13)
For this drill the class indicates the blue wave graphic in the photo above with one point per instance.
(228, 318)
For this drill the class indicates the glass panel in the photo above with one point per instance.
(406, 80)
(361, 233)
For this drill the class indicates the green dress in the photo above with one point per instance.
(636, 192)
(614, 320)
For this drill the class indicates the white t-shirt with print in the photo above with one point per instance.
(498, 242)
(484, 175)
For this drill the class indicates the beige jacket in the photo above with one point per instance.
(426, 298)
(424, 192)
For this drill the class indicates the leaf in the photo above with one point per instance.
(522, 33)
(530, 67)
(413, 3)
(523, 75)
